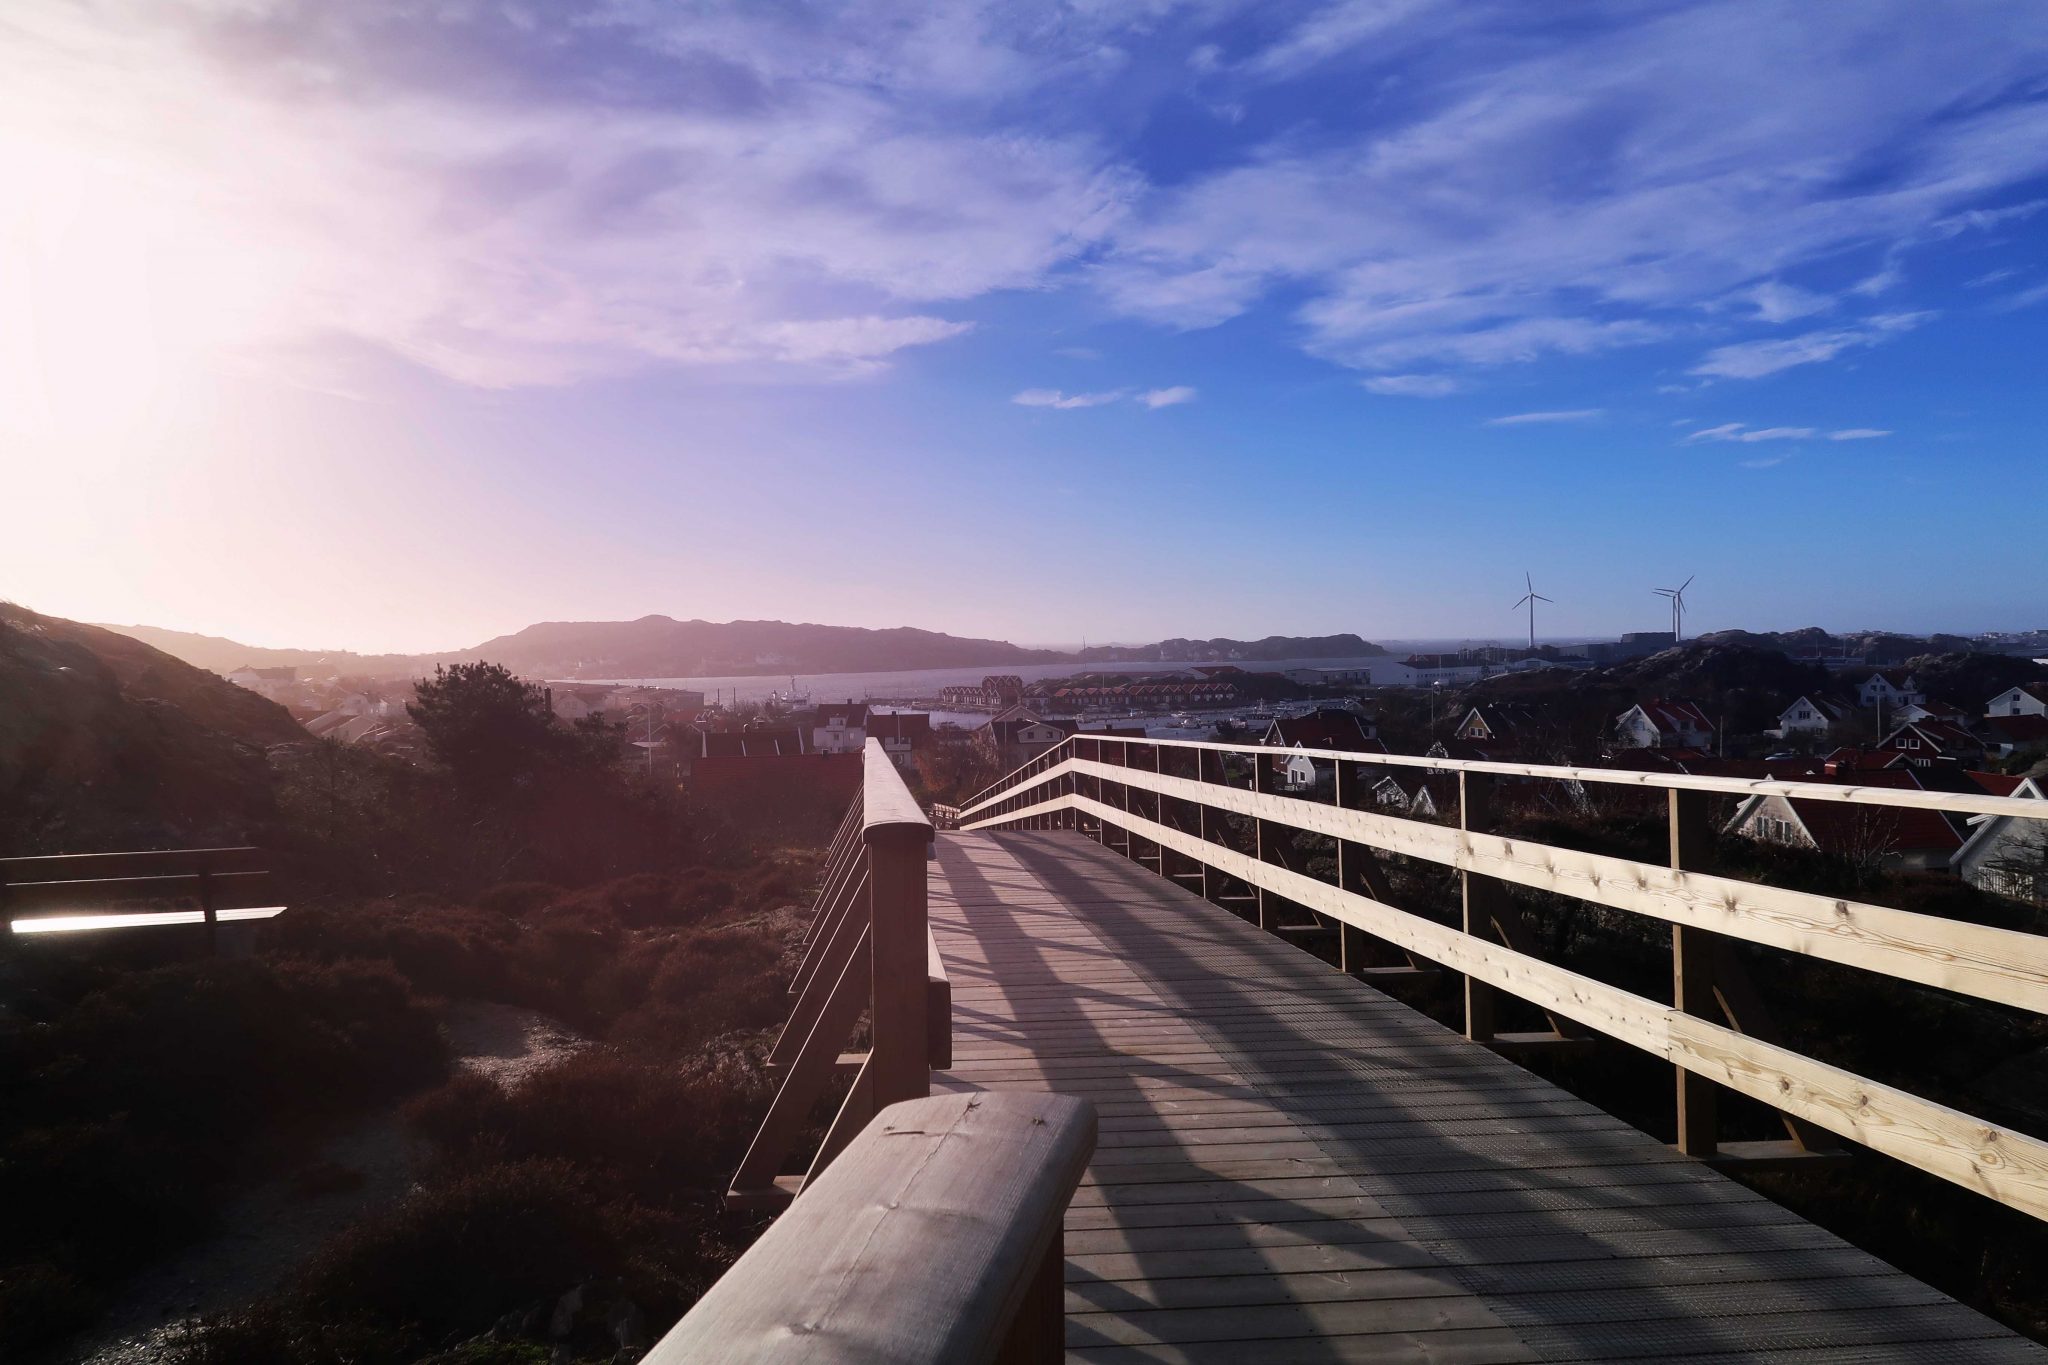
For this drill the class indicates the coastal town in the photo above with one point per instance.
(1721, 706)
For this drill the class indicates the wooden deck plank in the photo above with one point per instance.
(1294, 1167)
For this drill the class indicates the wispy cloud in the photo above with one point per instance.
(1526, 419)
(1743, 432)
(1412, 385)
(1054, 398)
(1778, 302)
(2025, 298)
(1064, 401)
(1469, 220)
(1763, 461)
(1738, 431)
(821, 187)
(1755, 359)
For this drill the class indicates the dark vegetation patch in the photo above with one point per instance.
(573, 1217)
(127, 1107)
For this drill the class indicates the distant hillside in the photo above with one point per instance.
(107, 743)
(1873, 646)
(218, 655)
(1741, 686)
(1177, 650)
(661, 647)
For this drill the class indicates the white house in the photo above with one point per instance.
(2007, 855)
(269, 682)
(1662, 724)
(1932, 710)
(1889, 688)
(572, 705)
(1895, 838)
(2028, 699)
(1809, 716)
(840, 728)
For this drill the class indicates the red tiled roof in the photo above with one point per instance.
(1839, 827)
(1997, 784)
(1676, 715)
(2018, 729)
(1321, 730)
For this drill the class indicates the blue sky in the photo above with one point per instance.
(400, 325)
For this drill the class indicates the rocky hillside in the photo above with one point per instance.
(220, 655)
(107, 743)
(661, 647)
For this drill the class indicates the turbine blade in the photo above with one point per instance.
(1688, 582)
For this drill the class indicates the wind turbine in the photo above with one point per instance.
(1677, 596)
(1531, 600)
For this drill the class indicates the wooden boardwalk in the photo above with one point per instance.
(1295, 1168)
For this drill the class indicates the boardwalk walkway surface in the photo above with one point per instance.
(1295, 1168)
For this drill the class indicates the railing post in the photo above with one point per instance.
(1692, 969)
(1352, 863)
(1262, 782)
(900, 1058)
(1481, 897)
(208, 906)
(1206, 762)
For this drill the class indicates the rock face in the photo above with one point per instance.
(106, 743)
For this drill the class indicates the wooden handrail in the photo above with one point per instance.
(1961, 803)
(933, 1240)
(869, 948)
(1177, 816)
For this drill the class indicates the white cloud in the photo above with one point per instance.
(1167, 398)
(1412, 385)
(1464, 217)
(1777, 302)
(1755, 359)
(1763, 462)
(817, 185)
(1857, 434)
(2025, 298)
(750, 189)
(1054, 398)
(1739, 431)
(1523, 419)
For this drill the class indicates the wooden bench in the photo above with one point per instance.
(55, 897)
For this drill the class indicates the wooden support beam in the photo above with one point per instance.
(1482, 898)
(897, 923)
(1692, 971)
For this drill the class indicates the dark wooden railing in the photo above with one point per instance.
(56, 896)
(1208, 815)
(869, 949)
(933, 1240)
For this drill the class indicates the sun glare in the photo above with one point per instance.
(126, 288)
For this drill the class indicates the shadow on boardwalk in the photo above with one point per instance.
(1294, 1167)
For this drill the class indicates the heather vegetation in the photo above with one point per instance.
(572, 1215)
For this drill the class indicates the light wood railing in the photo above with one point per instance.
(933, 1240)
(869, 950)
(1208, 815)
